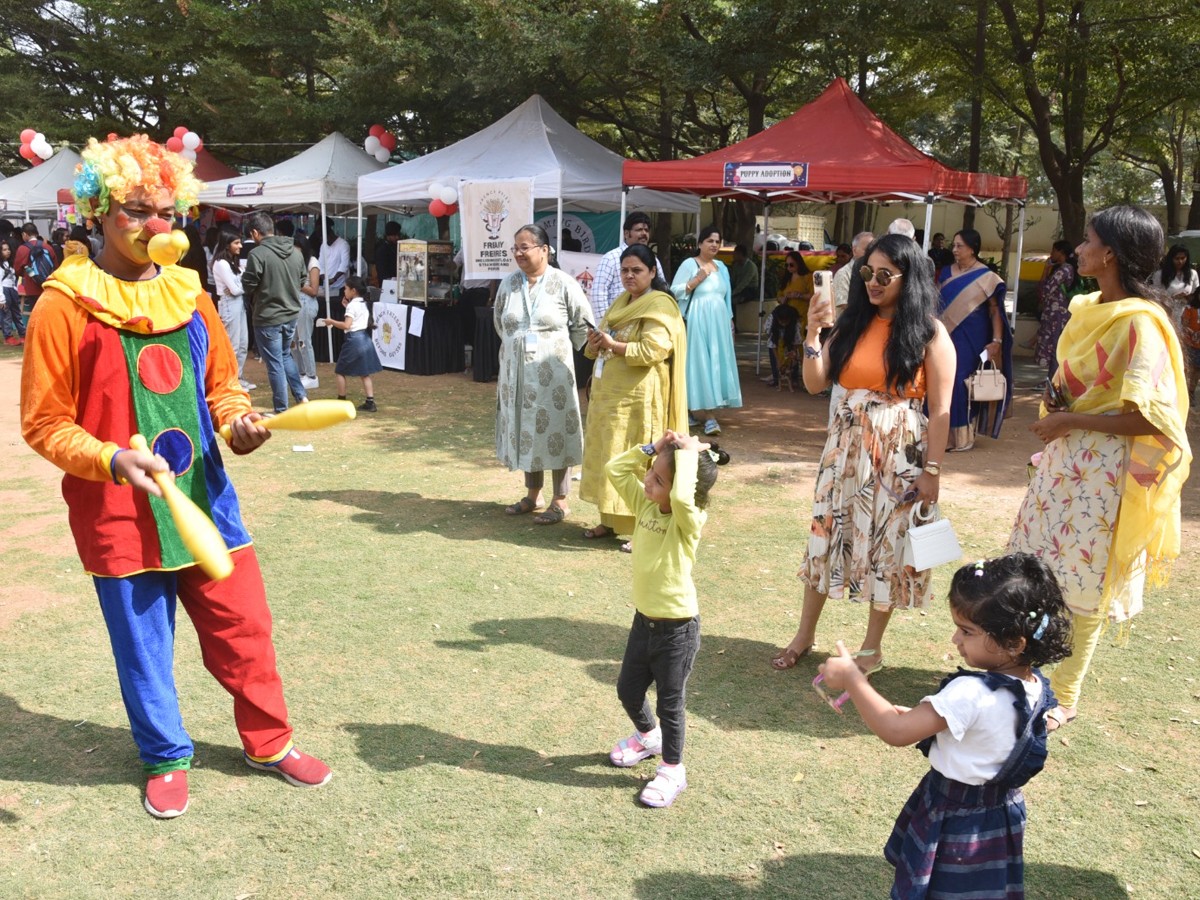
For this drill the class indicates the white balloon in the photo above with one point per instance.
(191, 140)
(39, 146)
(371, 144)
(383, 154)
(46, 151)
(435, 189)
(38, 138)
(448, 195)
(188, 153)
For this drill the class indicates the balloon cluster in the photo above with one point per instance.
(184, 142)
(380, 143)
(445, 200)
(35, 147)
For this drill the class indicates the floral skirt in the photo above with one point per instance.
(875, 451)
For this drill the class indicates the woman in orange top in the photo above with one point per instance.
(892, 356)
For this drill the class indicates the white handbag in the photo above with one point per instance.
(931, 544)
(986, 384)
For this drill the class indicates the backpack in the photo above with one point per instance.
(41, 263)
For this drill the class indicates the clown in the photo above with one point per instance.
(119, 346)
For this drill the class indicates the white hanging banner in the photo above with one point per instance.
(490, 214)
(391, 333)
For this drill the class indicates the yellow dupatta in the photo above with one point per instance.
(1116, 357)
(660, 308)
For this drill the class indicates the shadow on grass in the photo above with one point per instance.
(844, 876)
(394, 512)
(396, 747)
(44, 749)
(733, 685)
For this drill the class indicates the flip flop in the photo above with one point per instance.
(787, 657)
(520, 508)
(627, 547)
(598, 531)
(552, 515)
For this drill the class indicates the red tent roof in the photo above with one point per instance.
(209, 168)
(846, 152)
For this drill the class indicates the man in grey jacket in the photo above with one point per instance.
(273, 274)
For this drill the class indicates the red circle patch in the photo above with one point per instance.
(159, 368)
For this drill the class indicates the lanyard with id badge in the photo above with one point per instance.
(531, 336)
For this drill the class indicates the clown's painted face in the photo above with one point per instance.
(125, 223)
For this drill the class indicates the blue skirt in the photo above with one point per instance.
(358, 356)
(955, 840)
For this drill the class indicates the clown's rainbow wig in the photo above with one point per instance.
(114, 169)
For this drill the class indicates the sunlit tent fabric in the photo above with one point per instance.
(36, 189)
(323, 178)
(532, 141)
(849, 152)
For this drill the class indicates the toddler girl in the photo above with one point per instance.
(666, 484)
(358, 356)
(961, 831)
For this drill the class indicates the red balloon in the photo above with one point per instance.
(437, 208)
(200, 146)
(27, 152)
(37, 161)
(181, 131)
(387, 140)
(28, 135)
(376, 130)
(220, 215)
(112, 136)
(174, 144)
(451, 209)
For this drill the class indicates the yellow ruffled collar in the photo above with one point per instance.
(163, 303)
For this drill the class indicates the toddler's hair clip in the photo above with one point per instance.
(713, 455)
(979, 567)
(1042, 625)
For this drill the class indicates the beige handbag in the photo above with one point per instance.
(932, 543)
(986, 384)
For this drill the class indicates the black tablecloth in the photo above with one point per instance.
(485, 348)
(439, 349)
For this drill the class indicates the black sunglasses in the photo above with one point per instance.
(883, 276)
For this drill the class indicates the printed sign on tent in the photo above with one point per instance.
(491, 212)
(391, 332)
(582, 267)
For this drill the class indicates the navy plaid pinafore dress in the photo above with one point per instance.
(965, 840)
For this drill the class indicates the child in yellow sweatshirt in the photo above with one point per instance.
(666, 484)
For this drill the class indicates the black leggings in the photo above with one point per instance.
(659, 652)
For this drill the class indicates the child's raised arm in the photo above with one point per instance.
(890, 724)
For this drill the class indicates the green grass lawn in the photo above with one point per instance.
(456, 667)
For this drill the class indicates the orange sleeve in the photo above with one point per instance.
(227, 400)
(49, 391)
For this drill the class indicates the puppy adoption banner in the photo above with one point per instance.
(490, 212)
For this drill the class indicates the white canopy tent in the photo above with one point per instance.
(35, 191)
(533, 141)
(323, 178)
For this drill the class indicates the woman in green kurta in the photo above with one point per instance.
(639, 385)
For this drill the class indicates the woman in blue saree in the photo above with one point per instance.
(972, 309)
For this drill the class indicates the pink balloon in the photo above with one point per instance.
(174, 144)
(37, 161)
(181, 131)
(26, 152)
(388, 141)
(376, 130)
(437, 209)
(28, 135)
(112, 136)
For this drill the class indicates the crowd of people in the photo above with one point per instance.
(893, 343)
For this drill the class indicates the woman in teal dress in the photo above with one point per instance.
(706, 301)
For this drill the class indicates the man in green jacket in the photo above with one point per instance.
(272, 278)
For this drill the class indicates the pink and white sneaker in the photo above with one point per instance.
(298, 769)
(167, 795)
(632, 750)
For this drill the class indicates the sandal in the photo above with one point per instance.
(520, 508)
(1058, 717)
(662, 789)
(552, 515)
(787, 657)
(836, 703)
(598, 531)
(627, 547)
(632, 750)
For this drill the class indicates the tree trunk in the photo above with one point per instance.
(975, 150)
(1193, 221)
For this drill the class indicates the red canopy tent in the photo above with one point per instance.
(209, 168)
(831, 150)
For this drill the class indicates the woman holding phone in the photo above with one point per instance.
(891, 355)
